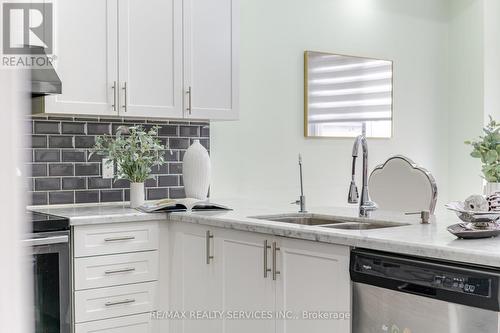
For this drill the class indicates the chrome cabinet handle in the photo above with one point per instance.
(125, 104)
(119, 239)
(275, 250)
(45, 241)
(114, 96)
(190, 99)
(208, 237)
(125, 301)
(266, 248)
(123, 270)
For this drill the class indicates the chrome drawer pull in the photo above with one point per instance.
(114, 96)
(266, 248)
(125, 103)
(190, 100)
(119, 239)
(275, 250)
(125, 301)
(123, 270)
(208, 237)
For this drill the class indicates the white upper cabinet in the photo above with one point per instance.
(211, 58)
(85, 44)
(150, 59)
(150, 50)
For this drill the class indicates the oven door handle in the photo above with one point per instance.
(46, 240)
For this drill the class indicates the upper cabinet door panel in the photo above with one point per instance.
(150, 44)
(85, 44)
(211, 35)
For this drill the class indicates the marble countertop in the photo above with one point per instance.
(431, 240)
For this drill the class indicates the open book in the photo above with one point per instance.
(180, 205)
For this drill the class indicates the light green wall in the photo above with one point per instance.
(255, 157)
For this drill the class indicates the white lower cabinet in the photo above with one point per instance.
(262, 283)
(195, 285)
(245, 290)
(115, 277)
(131, 324)
(314, 281)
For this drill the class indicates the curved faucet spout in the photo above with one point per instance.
(365, 204)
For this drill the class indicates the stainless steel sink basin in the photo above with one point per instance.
(363, 225)
(304, 219)
(326, 221)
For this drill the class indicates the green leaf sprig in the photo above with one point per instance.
(487, 148)
(134, 150)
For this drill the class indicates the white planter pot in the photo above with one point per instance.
(491, 188)
(196, 171)
(136, 194)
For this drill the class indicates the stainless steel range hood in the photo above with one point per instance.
(44, 80)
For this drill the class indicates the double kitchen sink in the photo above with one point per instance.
(326, 221)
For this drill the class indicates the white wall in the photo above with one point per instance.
(466, 95)
(491, 58)
(255, 158)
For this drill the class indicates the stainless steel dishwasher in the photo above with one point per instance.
(400, 294)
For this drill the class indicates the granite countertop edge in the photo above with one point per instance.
(431, 241)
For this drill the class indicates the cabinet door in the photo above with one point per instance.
(245, 288)
(195, 285)
(85, 45)
(150, 53)
(211, 59)
(314, 278)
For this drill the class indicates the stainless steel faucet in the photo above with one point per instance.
(365, 205)
(302, 199)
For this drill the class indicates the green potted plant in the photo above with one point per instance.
(134, 151)
(487, 148)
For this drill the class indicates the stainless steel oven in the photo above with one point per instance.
(50, 261)
(398, 294)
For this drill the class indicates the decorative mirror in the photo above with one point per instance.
(346, 95)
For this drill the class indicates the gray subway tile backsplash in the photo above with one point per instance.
(157, 193)
(74, 183)
(84, 141)
(46, 184)
(72, 128)
(60, 141)
(46, 127)
(98, 128)
(111, 195)
(87, 169)
(97, 183)
(47, 155)
(73, 156)
(86, 196)
(56, 198)
(168, 180)
(63, 170)
(39, 141)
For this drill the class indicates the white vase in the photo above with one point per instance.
(196, 171)
(136, 194)
(491, 188)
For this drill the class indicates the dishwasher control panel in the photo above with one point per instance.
(426, 278)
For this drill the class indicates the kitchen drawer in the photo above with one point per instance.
(130, 324)
(91, 240)
(117, 269)
(104, 303)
